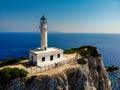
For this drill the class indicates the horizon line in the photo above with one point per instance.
(66, 32)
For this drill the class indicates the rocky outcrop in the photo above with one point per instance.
(98, 74)
(91, 76)
(112, 69)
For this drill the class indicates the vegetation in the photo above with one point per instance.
(84, 51)
(81, 61)
(7, 74)
(11, 61)
(70, 51)
(90, 50)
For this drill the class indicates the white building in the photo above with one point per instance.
(43, 54)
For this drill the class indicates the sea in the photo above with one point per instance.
(15, 45)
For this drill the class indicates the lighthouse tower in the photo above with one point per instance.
(43, 31)
(41, 56)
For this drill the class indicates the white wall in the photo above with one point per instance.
(38, 57)
(34, 57)
(47, 57)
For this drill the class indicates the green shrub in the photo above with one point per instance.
(81, 61)
(84, 52)
(23, 73)
(15, 73)
(89, 50)
(7, 74)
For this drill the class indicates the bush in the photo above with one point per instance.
(23, 73)
(89, 50)
(84, 52)
(81, 61)
(7, 74)
(15, 73)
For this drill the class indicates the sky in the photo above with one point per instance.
(73, 16)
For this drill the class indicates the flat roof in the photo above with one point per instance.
(51, 49)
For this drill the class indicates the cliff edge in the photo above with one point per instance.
(91, 75)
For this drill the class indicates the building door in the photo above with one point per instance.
(51, 57)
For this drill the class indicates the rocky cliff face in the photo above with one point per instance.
(91, 76)
(98, 73)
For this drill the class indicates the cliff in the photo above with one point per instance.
(89, 76)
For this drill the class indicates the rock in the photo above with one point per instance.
(112, 68)
(98, 73)
(17, 84)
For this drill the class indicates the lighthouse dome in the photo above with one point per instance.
(42, 18)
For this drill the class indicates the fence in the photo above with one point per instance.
(38, 69)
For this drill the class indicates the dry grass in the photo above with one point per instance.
(17, 65)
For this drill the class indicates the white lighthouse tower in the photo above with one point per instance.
(44, 54)
(43, 33)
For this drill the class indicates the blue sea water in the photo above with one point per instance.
(18, 44)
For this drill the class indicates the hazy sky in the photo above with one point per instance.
(63, 15)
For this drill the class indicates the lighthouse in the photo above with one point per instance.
(44, 55)
(43, 33)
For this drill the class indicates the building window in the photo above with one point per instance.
(51, 58)
(32, 57)
(58, 55)
(43, 59)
